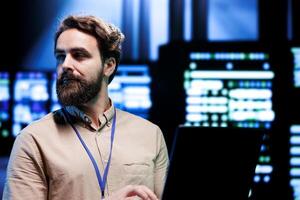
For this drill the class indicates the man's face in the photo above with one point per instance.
(79, 68)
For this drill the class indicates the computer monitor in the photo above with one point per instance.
(218, 84)
(30, 98)
(294, 170)
(295, 50)
(5, 98)
(294, 139)
(228, 86)
(130, 89)
(212, 163)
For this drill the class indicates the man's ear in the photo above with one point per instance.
(109, 66)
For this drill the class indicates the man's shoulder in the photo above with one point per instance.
(135, 119)
(44, 130)
(45, 123)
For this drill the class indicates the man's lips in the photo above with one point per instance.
(67, 80)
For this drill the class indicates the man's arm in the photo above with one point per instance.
(161, 165)
(25, 172)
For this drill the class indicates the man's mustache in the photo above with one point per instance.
(67, 77)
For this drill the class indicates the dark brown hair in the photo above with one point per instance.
(108, 36)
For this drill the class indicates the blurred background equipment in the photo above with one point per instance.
(202, 63)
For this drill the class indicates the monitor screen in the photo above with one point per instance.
(294, 139)
(296, 65)
(5, 98)
(230, 86)
(30, 97)
(130, 89)
(295, 159)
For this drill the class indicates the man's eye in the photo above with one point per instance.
(60, 58)
(79, 56)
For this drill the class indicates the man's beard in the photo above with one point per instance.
(74, 91)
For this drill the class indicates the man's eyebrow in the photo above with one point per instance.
(77, 49)
(57, 51)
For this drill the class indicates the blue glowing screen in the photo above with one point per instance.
(5, 98)
(30, 97)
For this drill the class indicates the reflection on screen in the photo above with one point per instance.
(130, 89)
(4, 104)
(30, 99)
(231, 89)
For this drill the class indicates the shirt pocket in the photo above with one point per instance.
(137, 168)
(138, 173)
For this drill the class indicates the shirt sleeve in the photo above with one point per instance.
(161, 164)
(25, 172)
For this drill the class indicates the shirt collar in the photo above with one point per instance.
(79, 116)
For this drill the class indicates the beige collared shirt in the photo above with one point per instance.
(48, 161)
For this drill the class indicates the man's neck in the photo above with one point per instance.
(97, 107)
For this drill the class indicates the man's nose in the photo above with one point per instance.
(68, 63)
